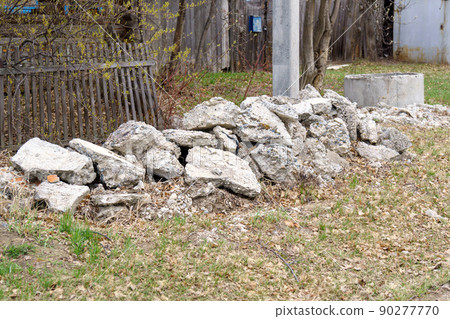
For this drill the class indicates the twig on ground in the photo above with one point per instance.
(281, 257)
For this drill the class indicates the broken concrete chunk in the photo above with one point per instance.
(346, 110)
(368, 130)
(394, 139)
(61, 197)
(221, 168)
(115, 199)
(38, 159)
(215, 112)
(333, 134)
(190, 138)
(135, 138)
(163, 163)
(114, 170)
(283, 110)
(304, 110)
(376, 153)
(320, 106)
(277, 162)
(258, 124)
(227, 141)
(309, 92)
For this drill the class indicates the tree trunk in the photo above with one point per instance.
(316, 41)
(177, 37)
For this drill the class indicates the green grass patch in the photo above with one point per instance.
(14, 251)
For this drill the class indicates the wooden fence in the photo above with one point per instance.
(59, 93)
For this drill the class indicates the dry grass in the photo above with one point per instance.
(366, 238)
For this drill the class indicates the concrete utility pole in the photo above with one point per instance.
(286, 47)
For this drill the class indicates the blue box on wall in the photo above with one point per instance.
(254, 24)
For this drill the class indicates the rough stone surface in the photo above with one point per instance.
(298, 134)
(205, 164)
(394, 139)
(258, 124)
(227, 141)
(6, 176)
(283, 110)
(304, 110)
(135, 138)
(309, 92)
(60, 196)
(190, 139)
(163, 163)
(320, 106)
(314, 148)
(368, 130)
(215, 112)
(346, 110)
(38, 159)
(312, 119)
(376, 153)
(277, 162)
(333, 134)
(114, 170)
(115, 199)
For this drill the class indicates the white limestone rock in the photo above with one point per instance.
(277, 162)
(114, 170)
(227, 141)
(163, 163)
(221, 168)
(376, 153)
(61, 197)
(309, 92)
(368, 130)
(320, 106)
(38, 159)
(346, 110)
(115, 199)
(190, 139)
(215, 112)
(333, 134)
(394, 139)
(135, 138)
(259, 124)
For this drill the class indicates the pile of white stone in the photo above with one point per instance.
(221, 145)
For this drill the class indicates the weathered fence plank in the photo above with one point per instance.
(59, 93)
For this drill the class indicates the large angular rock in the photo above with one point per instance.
(346, 110)
(309, 92)
(127, 199)
(221, 168)
(215, 112)
(227, 141)
(135, 138)
(333, 134)
(376, 153)
(61, 197)
(277, 162)
(368, 130)
(38, 159)
(163, 163)
(304, 110)
(190, 138)
(298, 134)
(259, 124)
(320, 106)
(283, 110)
(114, 170)
(394, 139)
(314, 149)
